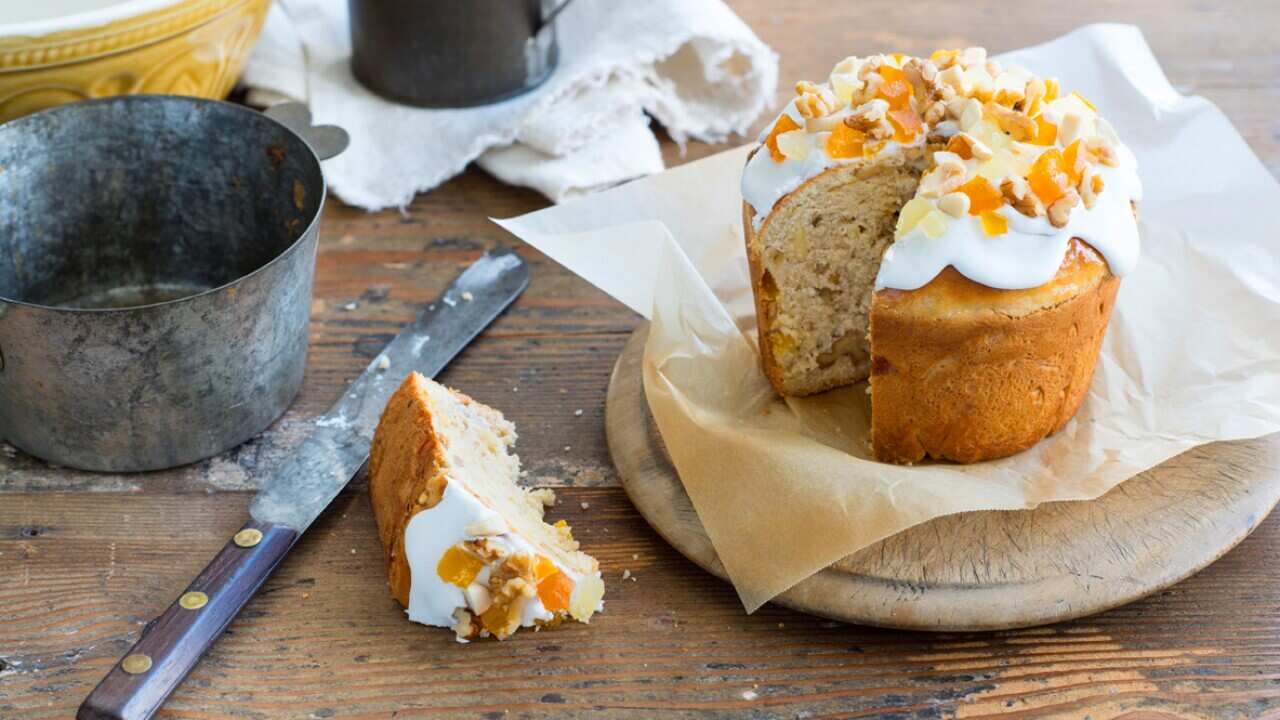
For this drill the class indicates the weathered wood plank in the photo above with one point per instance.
(82, 574)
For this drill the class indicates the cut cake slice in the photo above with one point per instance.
(466, 547)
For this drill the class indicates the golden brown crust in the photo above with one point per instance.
(765, 294)
(406, 474)
(964, 372)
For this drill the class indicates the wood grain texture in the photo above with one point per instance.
(87, 559)
(985, 570)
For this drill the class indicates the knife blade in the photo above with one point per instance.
(333, 453)
(297, 493)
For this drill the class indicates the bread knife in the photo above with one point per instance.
(292, 497)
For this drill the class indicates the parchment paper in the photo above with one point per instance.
(784, 489)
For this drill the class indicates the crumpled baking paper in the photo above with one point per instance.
(785, 488)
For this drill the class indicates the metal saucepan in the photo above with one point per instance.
(445, 53)
(156, 263)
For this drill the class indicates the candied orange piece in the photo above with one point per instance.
(495, 619)
(555, 591)
(845, 142)
(1046, 132)
(895, 90)
(993, 223)
(784, 124)
(941, 57)
(899, 57)
(1070, 158)
(906, 124)
(1051, 89)
(543, 568)
(1096, 184)
(961, 147)
(1048, 179)
(983, 196)
(458, 567)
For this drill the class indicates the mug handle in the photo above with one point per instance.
(551, 17)
(326, 141)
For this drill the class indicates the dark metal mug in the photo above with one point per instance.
(453, 53)
(156, 264)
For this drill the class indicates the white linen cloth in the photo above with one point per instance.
(691, 64)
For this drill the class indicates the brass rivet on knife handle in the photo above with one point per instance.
(136, 664)
(247, 537)
(193, 600)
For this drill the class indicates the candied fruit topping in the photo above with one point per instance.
(911, 214)
(1046, 132)
(458, 567)
(555, 591)
(1096, 184)
(793, 145)
(1051, 90)
(906, 124)
(934, 224)
(1071, 162)
(983, 196)
(958, 145)
(993, 223)
(496, 619)
(942, 57)
(784, 124)
(543, 568)
(1048, 179)
(846, 142)
(895, 90)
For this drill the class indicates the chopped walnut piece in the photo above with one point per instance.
(935, 112)
(1019, 126)
(943, 179)
(1060, 210)
(869, 118)
(1103, 150)
(1018, 193)
(955, 204)
(968, 146)
(1090, 186)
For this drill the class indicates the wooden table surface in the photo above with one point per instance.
(87, 559)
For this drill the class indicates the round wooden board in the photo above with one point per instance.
(986, 570)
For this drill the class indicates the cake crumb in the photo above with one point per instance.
(749, 695)
(577, 413)
(626, 574)
(353, 551)
(350, 306)
(586, 506)
(635, 556)
(467, 296)
(515, 389)
(384, 362)
(546, 496)
(567, 448)
(563, 391)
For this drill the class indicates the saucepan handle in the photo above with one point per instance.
(172, 644)
(326, 141)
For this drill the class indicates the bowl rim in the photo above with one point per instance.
(85, 19)
(311, 226)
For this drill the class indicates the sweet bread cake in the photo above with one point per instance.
(466, 547)
(952, 230)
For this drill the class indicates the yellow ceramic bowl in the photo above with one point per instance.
(59, 51)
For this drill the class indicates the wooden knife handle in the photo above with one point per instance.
(172, 644)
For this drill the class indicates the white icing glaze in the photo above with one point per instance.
(1030, 254)
(433, 531)
(1026, 256)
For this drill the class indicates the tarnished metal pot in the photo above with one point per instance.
(156, 264)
